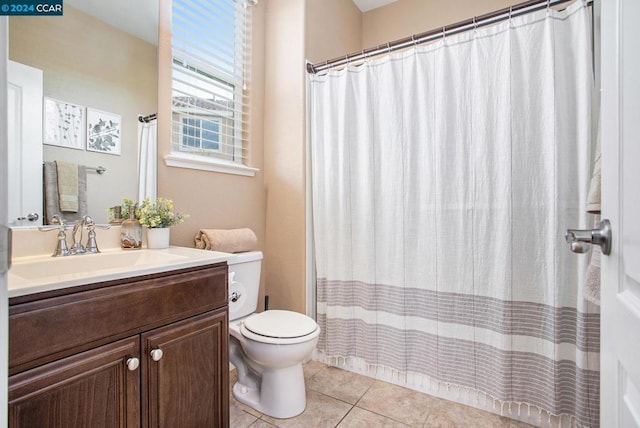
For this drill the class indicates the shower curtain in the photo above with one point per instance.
(147, 159)
(443, 179)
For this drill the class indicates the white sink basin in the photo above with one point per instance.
(37, 274)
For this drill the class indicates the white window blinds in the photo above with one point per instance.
(211, 52)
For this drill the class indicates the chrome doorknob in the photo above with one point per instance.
(156, 354)
(601, 235)
(133, 363)
(31, 217)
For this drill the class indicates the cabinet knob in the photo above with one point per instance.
(156, 354)
(133, 363)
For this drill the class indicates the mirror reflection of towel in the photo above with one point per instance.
(52, 200)
(67, 186)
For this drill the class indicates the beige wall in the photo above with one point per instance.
(333, 28)
(88, 62)
(295, 31)
(284, 136)
(406, 17)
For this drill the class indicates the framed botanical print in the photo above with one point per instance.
(103, 132)
(63, 124)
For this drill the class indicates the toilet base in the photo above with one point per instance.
(281, 392)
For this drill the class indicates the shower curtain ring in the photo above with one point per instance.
(444, 32)
(475, 24)
(388, 47)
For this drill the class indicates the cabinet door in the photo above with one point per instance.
(186, 373)
(91, 389)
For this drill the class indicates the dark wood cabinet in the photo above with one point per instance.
(149, 352)
(91, 389)
(181, 389)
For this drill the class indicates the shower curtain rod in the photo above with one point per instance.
(459, 27)
(149, 118)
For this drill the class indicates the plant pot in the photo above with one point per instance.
(158, 237)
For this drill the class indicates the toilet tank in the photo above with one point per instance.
(244, 283)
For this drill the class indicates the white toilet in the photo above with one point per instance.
(268, 348)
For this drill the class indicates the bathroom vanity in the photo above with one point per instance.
(143, 350)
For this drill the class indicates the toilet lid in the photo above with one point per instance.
(280, 324)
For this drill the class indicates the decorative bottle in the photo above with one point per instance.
(131, 231)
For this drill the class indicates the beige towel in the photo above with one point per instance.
(593, 198)
(592, 279)
(226, 241)
(67, 186)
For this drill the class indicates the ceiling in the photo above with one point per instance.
(367, 5)
(139, 17)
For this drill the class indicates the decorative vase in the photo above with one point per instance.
(131, 232)
(158, 237)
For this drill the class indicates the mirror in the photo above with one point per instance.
(102, 57)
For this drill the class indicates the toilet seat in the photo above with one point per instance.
(279, 327)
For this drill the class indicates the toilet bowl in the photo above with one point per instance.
(266, 348)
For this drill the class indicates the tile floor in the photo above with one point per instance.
(338, 398)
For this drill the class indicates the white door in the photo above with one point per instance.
(620, 292)
(24, 112)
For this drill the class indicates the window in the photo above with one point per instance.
(210, 47)
(200, 133)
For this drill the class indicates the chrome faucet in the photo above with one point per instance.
(76, 246)
(59, 224)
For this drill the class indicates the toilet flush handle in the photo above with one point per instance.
(234, 296)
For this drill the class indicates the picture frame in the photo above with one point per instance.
(64, 124)
(104, 132)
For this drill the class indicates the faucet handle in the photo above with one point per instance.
(58, 223)
(92, 244)
(61, 244)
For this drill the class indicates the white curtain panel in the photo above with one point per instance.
(147, 160)
(443, 180)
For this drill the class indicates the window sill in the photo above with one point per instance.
(183, 160)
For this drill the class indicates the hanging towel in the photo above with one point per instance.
(51, 198)
(227, 241)
(67, 186)
(593, 198)
(592, 279)
(147, 160)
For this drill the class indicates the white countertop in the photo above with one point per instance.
(41, 273)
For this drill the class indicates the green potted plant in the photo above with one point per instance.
(158, 217)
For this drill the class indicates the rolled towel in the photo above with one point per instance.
(226, 241)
